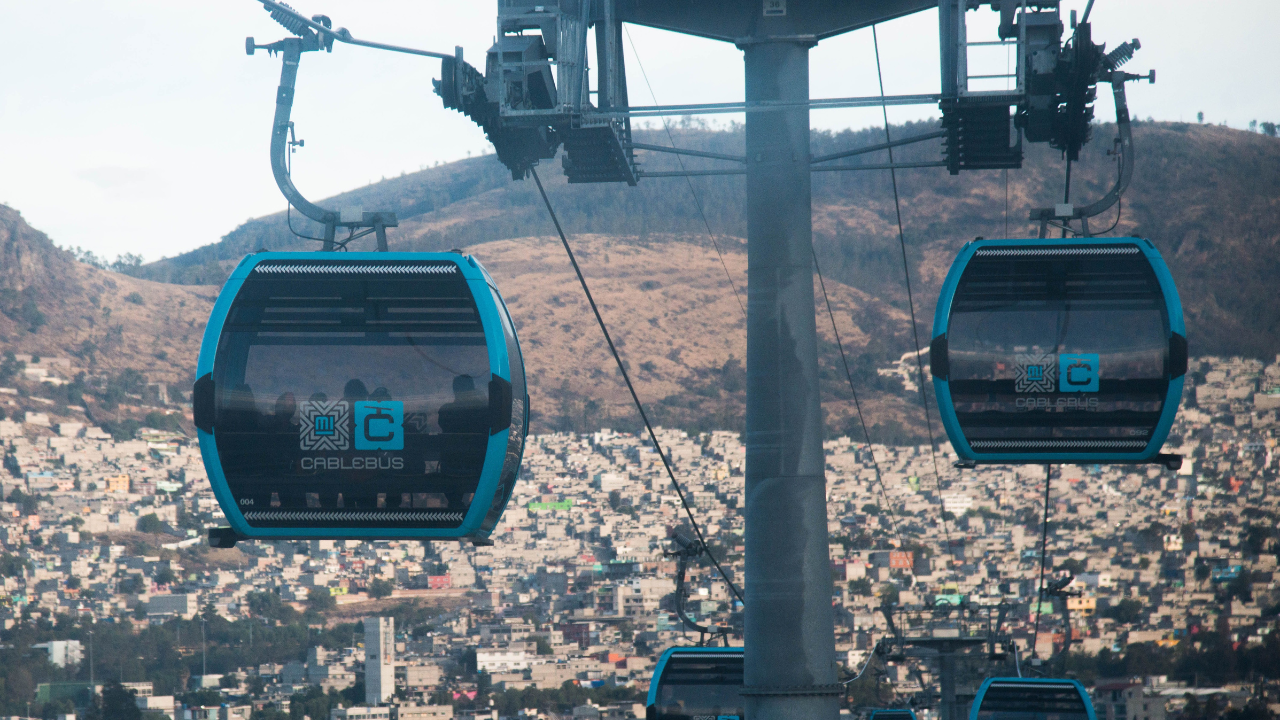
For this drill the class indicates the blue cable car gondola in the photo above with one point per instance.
(697, 682)
(1031, 699)
(360, 395)
(1059, 351)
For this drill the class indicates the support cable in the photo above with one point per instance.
(1044, 552)
(856, 404)
(631, 388)
(1066, 197)
(680, 160)
(906, 271)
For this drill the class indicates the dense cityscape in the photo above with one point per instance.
(1172, 603)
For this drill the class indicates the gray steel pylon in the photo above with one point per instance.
(790, 667)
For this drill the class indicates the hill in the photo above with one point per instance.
(105, 322)
(111, 325)
(1207, 196)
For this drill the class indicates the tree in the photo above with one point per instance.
(861, 586)
(164, 576)
(1200, 116)
(1124, 612)
(115, 703)
(12, 565)
(1073, 566)
(615, 499)
(150, 524)
(320, 599)
(11, 366)
(1269, 129)
(380, 588)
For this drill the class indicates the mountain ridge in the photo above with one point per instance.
(1208, 197)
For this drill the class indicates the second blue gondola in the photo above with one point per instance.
(691, 683)
(1058, 351)
(360, 395)
(1031, 699)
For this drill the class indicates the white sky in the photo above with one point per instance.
(141, 125)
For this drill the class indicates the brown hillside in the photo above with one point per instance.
(677, 324)
(51, 305)
(667, 301)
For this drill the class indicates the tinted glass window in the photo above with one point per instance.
(353, 400)
(1013, 701)
(700, 687)
(1058, 351)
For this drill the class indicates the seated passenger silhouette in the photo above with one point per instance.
(355, 391)
(464, 424)
(380, 394)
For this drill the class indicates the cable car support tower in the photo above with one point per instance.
(534, 97)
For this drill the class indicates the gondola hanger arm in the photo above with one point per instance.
(292, 20)
(1124, 147)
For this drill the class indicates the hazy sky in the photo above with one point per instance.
(141, 125)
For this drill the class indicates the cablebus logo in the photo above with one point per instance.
(1034, 372)
(325, 425)
(1078, 373)
(379, 425)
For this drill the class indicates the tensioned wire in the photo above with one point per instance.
(626, 377)
(856, 404)
(906, 271)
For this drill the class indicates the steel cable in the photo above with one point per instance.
(626, 377)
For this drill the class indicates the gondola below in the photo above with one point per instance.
(1058, 351)
(360, 396)
(697, 682)
(1031, 699)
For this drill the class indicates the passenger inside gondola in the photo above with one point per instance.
(464, 427)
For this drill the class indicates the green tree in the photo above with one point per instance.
(12, 565)
(115, 703)
(320, 599)
(1073, 566)
(10, 367)
(380, 588)
(1125, 612)
(150, 524)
